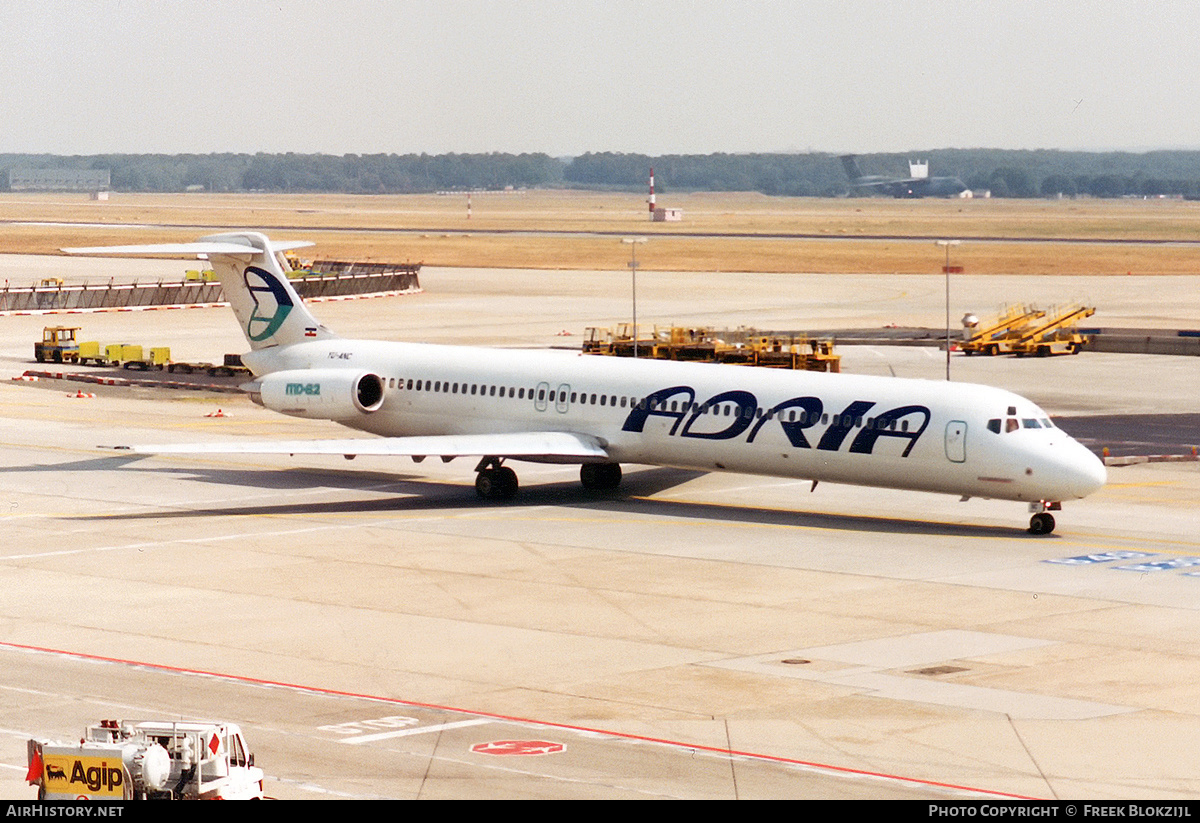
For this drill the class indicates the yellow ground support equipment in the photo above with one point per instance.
(703, 345)
(1056, 334)
(995, 337)
(135, 357)
(58, 344)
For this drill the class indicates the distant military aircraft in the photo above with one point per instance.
(917, 184)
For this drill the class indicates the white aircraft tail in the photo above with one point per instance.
(257, 288)
(256, 285)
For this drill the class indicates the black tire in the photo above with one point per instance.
(485, 484)
(508, 483)
(600, 477)
(1041, 523)
(496, 484)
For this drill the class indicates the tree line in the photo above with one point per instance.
(1005, 173)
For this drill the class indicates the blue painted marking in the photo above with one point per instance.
(1161, 565)
(1102, 557)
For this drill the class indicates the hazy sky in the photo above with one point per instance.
(339, 76)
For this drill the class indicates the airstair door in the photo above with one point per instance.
(956, 441)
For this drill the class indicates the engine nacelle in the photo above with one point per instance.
(322, 394)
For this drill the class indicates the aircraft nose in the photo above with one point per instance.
(1087, 472)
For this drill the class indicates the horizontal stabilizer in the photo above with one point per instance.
(548, 446)
(200, 247)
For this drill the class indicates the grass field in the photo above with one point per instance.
(435, 230)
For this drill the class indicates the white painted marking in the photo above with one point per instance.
(371, 738)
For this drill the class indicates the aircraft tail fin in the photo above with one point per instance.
(268, 309)
(850, 164)
(255, 283)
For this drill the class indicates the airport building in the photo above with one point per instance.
(89, 180)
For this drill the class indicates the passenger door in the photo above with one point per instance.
(956, 441)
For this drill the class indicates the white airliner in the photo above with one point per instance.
(599, 412)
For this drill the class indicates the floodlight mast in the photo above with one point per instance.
(946, 269)
(634, 242)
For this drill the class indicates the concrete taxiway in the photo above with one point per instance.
(379, 633)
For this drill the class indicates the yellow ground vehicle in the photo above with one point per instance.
(125, 355)
(58, 344)
(994, 338)
(1054, 335)
(708, 346)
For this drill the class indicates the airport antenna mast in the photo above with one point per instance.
(651, 200)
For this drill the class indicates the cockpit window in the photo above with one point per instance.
(1046, 424)
(1011, 425)
(994, 425)
(1030, 423)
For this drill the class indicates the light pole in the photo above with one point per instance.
(946, 269)
(633, 267)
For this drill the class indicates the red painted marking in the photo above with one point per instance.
(395, 701)
(518, 747)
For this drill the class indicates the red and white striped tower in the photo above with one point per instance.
(651, 201)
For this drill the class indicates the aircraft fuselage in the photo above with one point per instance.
(927, 435)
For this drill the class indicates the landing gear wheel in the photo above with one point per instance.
(508, 482)
(496, 484)
(600, 477)
(1041, 523)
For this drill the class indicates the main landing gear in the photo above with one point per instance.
(1042, 521)
(495, 481)
(600, 477)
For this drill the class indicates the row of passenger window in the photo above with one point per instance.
(518, 393)
(624, 401)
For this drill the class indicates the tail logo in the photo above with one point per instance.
(272, 304)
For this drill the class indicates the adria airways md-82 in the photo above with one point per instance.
(600, 412)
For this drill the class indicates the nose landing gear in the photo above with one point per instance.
(1042, 521)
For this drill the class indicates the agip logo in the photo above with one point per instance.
(272, 303)
(84, 776)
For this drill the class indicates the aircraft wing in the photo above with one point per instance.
(561, 447)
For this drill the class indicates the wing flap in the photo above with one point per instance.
(551, 446)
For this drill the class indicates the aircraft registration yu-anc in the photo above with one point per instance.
(599, 412)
